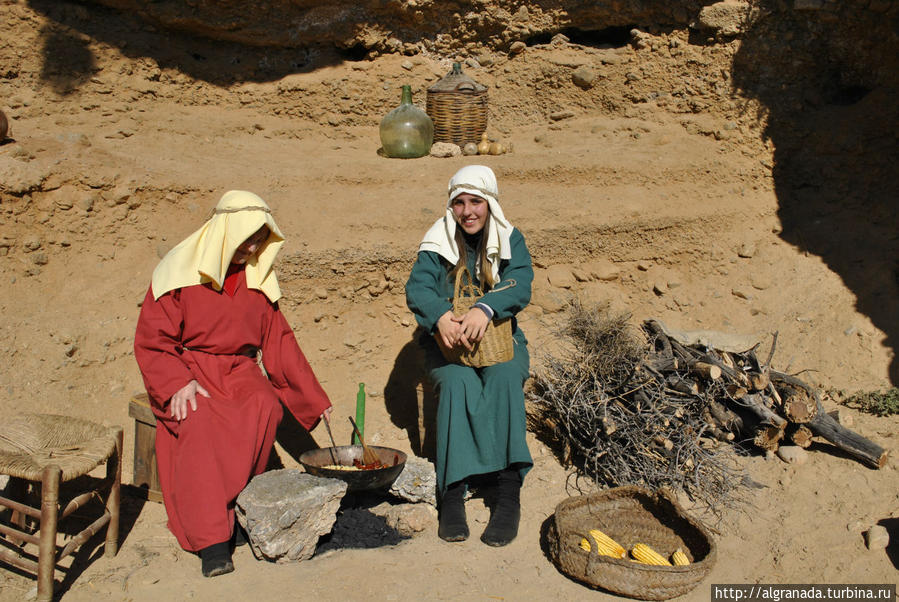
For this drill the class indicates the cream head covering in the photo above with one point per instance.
(205, 255)
(478, 180)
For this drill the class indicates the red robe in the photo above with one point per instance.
(209, 457)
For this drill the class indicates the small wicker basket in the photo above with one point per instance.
(496, 347)
(630, 515)
(458, 107)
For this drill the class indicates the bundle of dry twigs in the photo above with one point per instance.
(641, 408)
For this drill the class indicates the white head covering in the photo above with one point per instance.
(478, 180)
(205, 255)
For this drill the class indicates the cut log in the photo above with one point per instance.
(735, 376)
(706, 370)
(682, 385)
(798, 406)
(825, 426)
(801, 435)
(756, 404)
(768, 436)
(758, 381)
(728, 420)
(847, 440)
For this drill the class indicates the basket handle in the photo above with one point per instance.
(470, 289)
(465, 87)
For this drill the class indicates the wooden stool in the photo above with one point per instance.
(44, 450)
(146, 474)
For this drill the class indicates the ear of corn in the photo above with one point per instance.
(643, 553)
(606, 546)
(679, 558)
(585, 545)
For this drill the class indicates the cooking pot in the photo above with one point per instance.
(315, 461)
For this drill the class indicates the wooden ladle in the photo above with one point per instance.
(368, 456)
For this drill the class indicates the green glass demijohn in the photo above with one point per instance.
(407, 131)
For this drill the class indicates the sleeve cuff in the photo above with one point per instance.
(486, 309)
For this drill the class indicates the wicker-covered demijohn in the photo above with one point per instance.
(458, 107)
(630, 515)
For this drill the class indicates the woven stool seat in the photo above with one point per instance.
(31, 442)
(38, 452)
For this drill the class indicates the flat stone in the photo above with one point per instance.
(407, 519)
(584, 77)
(285, 512)
(417, 482)
(561, 276)
(792, 454)
(443, 150)
(877, 537)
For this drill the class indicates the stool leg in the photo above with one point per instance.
(114, 470)
(17, 489)
(46, 558)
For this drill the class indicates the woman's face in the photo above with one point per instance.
(249, 247)
(470, 212)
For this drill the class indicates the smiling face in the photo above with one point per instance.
(249, 247)
(471, 212)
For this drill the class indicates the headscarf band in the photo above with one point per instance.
(216, 211)
(483, 191)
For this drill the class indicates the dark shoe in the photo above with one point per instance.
(505, 515)
(216, 560)
(452, 523)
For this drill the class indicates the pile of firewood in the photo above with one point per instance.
(644, 408)
(747, 399)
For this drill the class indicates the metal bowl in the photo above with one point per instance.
(315, 460)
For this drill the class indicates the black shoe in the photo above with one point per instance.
(452, 523)
(216, 560)
(505, 515)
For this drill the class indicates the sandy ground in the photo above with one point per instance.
(687, 221)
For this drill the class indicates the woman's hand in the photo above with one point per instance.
(326, 415)
(186, 394)
(448, 330)
(472, 326)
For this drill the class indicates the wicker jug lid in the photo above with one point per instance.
(457, 82)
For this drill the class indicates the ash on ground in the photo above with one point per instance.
(359, 528)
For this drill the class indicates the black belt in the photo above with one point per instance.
(246, 351)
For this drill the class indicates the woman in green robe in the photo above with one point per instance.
(480, 417)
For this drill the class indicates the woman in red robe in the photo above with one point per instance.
(211, 308)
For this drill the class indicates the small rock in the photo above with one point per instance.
(660, 288)
(485, 59)
(740, 293)
(86, 203)
(407, 519)
(877, 537)
(407, 65)
(602, 269)
(40, 258)
(643, 266)
(561, 276)
(792, 454)
(470, 149)
(517, 48)
(584, 77)
(321, 293)
(417, 482)
(560, 115)
(747, 250)
(445, 149)
(31, 242)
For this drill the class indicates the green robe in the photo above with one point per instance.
(481, 423)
